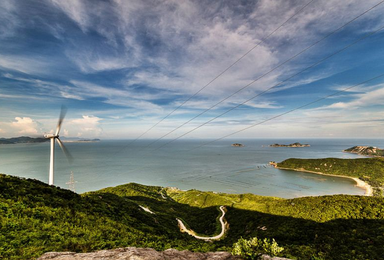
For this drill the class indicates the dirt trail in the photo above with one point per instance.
(192, 233)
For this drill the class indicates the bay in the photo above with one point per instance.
(218, 167)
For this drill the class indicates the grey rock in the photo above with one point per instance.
(132, 253)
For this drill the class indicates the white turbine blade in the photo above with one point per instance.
(67, 154)
(61, 118)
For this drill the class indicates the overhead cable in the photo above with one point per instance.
(280, 83)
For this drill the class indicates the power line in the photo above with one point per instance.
(265, 74)
(267, 90)
(205, 86)
(290, 111)
(278, 116)
(221, 73)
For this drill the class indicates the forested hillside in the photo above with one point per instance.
(370, 170)
(37, 218)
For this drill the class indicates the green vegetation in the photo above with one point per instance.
(320, 209)
(370, 170)
(37, 218)
(365, 150)
(294, 145)
(254, 248)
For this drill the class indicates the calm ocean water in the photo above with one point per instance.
(217, 167)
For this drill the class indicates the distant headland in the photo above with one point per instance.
(294, 145)
(365, 150)
(22, 139)
(367, 172)
(82, 141)
(31, 140)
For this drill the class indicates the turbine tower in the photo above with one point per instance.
(54, 138)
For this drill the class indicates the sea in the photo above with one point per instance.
(186, 164)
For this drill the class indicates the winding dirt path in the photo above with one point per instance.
(183, 228)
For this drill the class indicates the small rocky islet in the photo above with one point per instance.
(294, 145)
(365, 150)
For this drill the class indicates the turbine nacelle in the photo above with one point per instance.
(51, 136)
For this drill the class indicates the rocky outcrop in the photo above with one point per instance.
(274, 164)
(290, 145)
(133, 253)
(365, 150)
(237, 145)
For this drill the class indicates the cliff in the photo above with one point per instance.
(365, 150)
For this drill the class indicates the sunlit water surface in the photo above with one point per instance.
(216, 167)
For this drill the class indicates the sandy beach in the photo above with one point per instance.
(362, 184)
(359, 183)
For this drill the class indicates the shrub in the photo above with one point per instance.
(254, 248)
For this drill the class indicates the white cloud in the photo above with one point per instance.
(25, 125)
(19, 96)
(264, 104)
(87, 126)
(65, 132)
(8, 21)
(120, 97)
(177, 47)
(65, 94)
(194, 42)
(41, 89)
(369, 98)
(95, 61)
(25, 64)
(76, 10)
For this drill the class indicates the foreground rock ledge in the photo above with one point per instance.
(133, 253)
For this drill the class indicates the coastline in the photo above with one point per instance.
(359, 183)
(85, 141)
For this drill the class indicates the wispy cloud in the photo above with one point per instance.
(141, 59)
(8, 20)
(76, 10)
(366, 99)
(25, 64)
(120, 97)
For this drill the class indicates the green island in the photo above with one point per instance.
(294, 145)
(365, 150)
(369, 170)
(36, 218)
(23, 139)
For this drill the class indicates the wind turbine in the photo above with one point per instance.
(55, 137)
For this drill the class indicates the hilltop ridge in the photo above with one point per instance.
(37, 218)
(22, 139)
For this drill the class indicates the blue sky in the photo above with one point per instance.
(121, 66)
